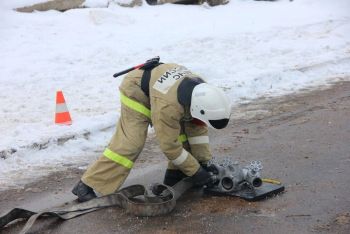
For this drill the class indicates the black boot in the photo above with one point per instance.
(173, 176)
(83, 192)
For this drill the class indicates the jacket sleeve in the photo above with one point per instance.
(166, 122)
(198, 140)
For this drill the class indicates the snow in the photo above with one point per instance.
(95, 3)
(249, 48)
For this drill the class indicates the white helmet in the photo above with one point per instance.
(210, 105)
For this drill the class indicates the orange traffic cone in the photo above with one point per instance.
(62, 113)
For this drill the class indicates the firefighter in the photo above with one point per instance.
(180, 105)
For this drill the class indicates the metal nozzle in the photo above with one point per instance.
(257, 182)
(227, 183)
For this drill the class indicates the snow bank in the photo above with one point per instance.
(249, 48)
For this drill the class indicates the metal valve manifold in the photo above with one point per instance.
(234, 178)
(245, 182)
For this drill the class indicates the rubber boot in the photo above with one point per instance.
(173, 176)
(83, 192)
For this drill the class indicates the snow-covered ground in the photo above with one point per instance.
(249, 48)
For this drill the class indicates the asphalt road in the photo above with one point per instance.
(302, 140)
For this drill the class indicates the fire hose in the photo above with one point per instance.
(160, 199)
(148, 205)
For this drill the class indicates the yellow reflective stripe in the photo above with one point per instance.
(135, 105)
(182, 138)
(118, 158)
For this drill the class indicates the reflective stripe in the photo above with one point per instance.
(136, 106)
(182, 158)
(198, 140)
(118, 158)
(182, 138)
(60, 108)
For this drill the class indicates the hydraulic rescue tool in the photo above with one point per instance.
(231, 180)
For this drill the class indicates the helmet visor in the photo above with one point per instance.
(219, 124)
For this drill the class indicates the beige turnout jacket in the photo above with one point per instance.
(171, 119)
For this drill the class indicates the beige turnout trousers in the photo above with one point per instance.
(109, 172)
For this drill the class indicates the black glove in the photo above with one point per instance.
(210, 168)
(203, 177)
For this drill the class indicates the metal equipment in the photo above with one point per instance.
(244, 182)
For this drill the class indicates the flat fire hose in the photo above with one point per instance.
(134, 199)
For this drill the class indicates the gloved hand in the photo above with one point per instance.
(210, 168)
(203, 177)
